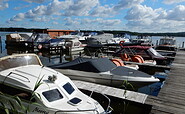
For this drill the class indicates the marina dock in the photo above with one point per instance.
(170, 99)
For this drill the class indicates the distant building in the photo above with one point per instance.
(55, 33)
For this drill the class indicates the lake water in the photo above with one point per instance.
(48, 59)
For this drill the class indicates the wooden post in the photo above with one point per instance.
(182, 44)
(1, 44)
(156, 43)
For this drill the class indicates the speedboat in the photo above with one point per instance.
(167, 46)
(19, 39)
(144, 40)
(71, 43)
(167, 43)
(148, 54)
(103, 71)
(41, 89)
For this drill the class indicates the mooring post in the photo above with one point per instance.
(156, 43)
(1, 44)
(182, 44)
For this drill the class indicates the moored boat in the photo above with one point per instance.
(103, 71)
(41, 89)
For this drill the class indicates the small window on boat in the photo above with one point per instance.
(69, 88)
(74, 101)
(52, 95)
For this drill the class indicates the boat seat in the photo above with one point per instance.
(117, 62)
(124, 57)
(137, 58)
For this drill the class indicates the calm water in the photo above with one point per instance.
(48, 59)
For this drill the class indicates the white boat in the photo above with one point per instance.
(144, 40)
(19, 39)
(103, 71)
(19, 76)
(167, 43)
(72, 43)
(99, 40)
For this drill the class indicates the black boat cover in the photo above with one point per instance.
(98, 65)
(88, 65)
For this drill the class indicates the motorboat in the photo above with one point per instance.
(99, 40)
(103, 71)
(41, 41)
(144, 40)
(146, 53)
(167, 46)
(72, 43)
(41, 89)
(18, 39)
(167, 43)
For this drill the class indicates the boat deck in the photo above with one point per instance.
(170, 99)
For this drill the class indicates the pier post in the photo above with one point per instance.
(1, 44)
(182, 44)
(156, 43)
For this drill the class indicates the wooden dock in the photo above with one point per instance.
(111, 91)
(171, 98)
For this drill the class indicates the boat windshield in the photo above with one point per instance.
(154, 52)
(167, 42)
(52, 95)
(12, 62)
(43, 38)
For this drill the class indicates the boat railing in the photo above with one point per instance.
(107, 111)
(88, 110)
(27, 79)
(108, 108)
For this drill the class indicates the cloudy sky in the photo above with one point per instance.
(130, 15)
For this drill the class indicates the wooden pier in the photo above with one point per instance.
(171, 98)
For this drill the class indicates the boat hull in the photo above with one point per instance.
(125, 82)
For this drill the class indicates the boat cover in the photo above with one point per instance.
(88, 64)
(99, 65)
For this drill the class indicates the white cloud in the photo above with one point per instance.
(103, 11)
(140, 12)
(40, 19)
(76, 8)
(146, 19)
(81, 7)
(69, 21)
(3, 4)
(18, 17)
(172, 1)
(109, 11)
(176, 14)
(52, 9)
(124, 4)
